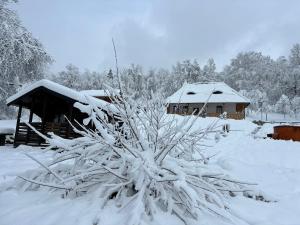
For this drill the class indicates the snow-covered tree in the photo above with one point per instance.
(258, 75)
(151, 83)
(293, 82)
(70, 77)
(22, 57)
(209, 70)
(133, 79)
(283, 105)
(295, 105)
(179, 74)
(197, 73)
(165, 82)
(250, 70)
(259, 100)
(294, 56)
(91, 80)
(190, 71)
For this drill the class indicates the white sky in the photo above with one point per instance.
(159, 33)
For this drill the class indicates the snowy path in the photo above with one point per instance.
(274, 165)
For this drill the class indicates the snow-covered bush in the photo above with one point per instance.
(142, 161)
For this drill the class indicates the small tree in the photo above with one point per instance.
(295, 105)
(70, 77)
(259, 100)
(283, 105)
(209, 70)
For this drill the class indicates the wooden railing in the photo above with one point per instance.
(61, 129)
(25, 135)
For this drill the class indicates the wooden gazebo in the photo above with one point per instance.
(53, 105)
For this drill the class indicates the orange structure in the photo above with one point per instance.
(286, 132)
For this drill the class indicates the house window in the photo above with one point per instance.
(174, 109)
(219, 109)
(191, 93)
(185, 109)
(217, 92)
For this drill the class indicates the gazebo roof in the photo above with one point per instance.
(60, 91)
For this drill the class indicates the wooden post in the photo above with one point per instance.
(31, 113)
(45, 102)
(30, 120)
(44, 113)
(17, 125)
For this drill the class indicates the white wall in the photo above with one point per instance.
(227, 107)
(211, 107)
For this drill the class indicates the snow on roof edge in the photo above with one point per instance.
(65, 91)
(68, 92)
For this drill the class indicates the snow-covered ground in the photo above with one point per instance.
(272, 164)
(7, 126)
(277, 117)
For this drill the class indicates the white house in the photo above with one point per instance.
(220, 98)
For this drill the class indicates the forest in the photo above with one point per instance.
(272, 85)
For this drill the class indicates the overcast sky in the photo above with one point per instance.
(161, 32)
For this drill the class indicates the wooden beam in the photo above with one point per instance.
(17, 125)
(45, 102)
(71, 113)
(30, 119)
(31, 113)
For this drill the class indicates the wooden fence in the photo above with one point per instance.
(25, 135)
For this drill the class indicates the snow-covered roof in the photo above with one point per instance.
(200, 92)
(60, 89)
(50, 85)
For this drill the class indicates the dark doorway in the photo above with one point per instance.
(219, 109)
